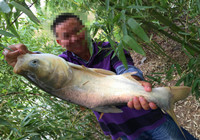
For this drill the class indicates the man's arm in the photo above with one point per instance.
(137, 102)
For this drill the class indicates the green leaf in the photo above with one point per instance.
(170, 72)
(191, 63)
(140, 7)
(165, 21)
(133, 44)
(178, 69)
(26, 11)
(112, 43)
(124, 29)
(198, 4)
(4, 7)
(13, 30)
(138, 30)
(190, 50)
(195, 84)
(122, 56)
(1, 45)
(16, 14)
(180, 81)
(6, 33)
(107, 4)
(4, 122)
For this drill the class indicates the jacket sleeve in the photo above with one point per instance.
(119, 68)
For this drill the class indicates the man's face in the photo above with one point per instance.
(70, 34)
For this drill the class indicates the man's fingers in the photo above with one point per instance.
(147, 86)
(136, 103)
(130, 104)
(141, 103)
(13, 54)
(152, 105)
(144, 103)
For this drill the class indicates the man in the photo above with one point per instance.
(141, 120)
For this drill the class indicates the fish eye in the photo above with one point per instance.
(34, 63)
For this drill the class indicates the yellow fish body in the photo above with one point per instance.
(97, 89)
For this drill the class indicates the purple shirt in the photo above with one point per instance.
(131, 123)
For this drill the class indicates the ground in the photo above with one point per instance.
(188, 110)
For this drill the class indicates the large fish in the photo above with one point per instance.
(97, 89)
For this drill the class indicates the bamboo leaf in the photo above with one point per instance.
(4, 7)
(180, 80)
(6, 33)
(190, 50)
(178, 69)
(140, 7)
(13, 30)
(198, 4)
(28, 12)
(16, 14)
(170, 72)
(124, 29)
(133, 44)
(195, 84)
(4, 122)
(107, 4)
(166, 21)
(138, 30)
(112, 43)
(1, 45)
(122, 56)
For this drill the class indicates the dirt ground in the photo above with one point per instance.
(188, 110)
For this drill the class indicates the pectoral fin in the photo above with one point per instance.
(107, 109)
(101, 115)
(102, 71)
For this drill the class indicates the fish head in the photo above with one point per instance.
(34, 64)
(46, 71)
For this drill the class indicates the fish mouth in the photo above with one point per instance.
(17, 69)
(18, 66)
(32, 77)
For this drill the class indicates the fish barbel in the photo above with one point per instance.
(97, 89)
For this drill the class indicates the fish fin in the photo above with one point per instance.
(95, 71)
(79, 67)
(75, 66)
(172, 114)
(107, 109)
(85, 68)
(179, 92)
(129, 76)
(101, 115)
(102, 71)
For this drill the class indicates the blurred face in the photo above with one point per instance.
(70, 34)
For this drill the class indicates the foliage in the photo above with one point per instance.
(175, 20)
(28, 113)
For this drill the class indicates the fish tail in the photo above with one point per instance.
(179, 92)
(172, 114)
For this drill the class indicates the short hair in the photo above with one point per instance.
(61, 18)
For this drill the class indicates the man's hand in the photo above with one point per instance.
(11, 56)
(140, 102)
